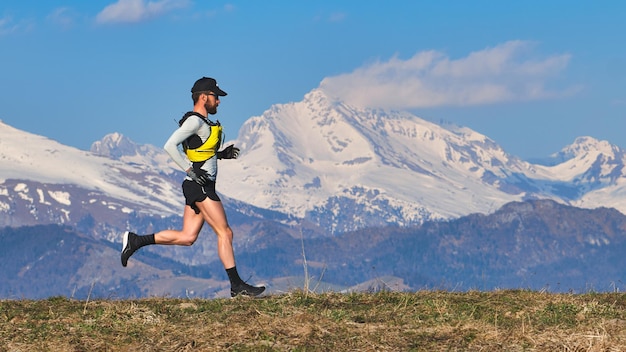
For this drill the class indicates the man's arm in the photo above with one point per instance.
(188, 128)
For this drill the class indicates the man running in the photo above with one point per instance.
(201, 139)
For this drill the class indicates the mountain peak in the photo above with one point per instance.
(584, 145)
(114, 145)
(318, 96)
(119, 147)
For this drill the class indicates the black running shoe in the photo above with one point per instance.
(127, 246)
(244, 289)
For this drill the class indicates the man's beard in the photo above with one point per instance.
(212, 110)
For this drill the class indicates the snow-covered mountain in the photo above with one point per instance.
(346, 168)
(320, 160)
(43, 181)
(27, 156)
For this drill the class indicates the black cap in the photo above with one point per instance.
(207, 84)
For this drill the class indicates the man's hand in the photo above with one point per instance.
(230, 152)
(200, 178)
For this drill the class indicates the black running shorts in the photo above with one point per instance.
(195, 193)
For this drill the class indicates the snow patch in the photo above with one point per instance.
(42, 199)
(25, 196)
(61, 197)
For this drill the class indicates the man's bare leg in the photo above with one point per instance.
(214, 215)
(192, 224)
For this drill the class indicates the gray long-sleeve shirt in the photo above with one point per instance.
(192, 125)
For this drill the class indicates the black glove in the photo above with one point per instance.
(230, 152)
(200, 177)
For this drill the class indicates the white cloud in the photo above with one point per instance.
(137, 10)
(505, 73)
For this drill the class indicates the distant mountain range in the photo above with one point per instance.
(537, 245)
(320, 170)
(317, 160)
(346, 168)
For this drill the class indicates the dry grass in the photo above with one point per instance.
(298, 321)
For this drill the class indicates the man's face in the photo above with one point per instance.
(211, 103)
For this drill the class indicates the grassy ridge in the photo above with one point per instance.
(385, 321)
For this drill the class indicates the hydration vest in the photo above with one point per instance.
(195, 148)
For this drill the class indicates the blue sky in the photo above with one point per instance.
(532, 75)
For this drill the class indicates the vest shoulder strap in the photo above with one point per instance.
(193, 113)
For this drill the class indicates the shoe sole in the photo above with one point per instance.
(246, 293)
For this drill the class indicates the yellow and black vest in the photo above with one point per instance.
(195, 148)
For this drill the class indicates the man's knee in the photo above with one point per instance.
(225, 232)
(188, 239)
